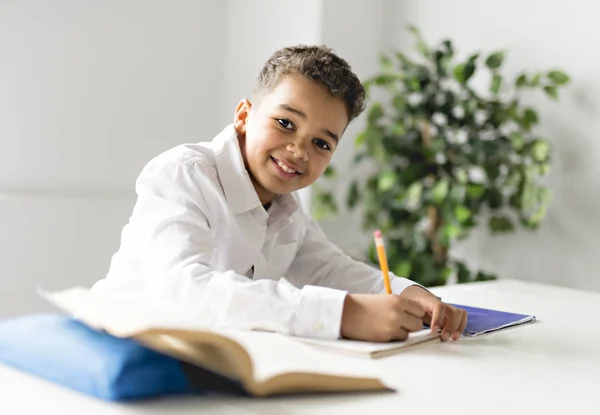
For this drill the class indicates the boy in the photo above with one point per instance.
(217, 233)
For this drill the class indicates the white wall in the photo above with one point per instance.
(80, 80)
(538, 35)
(90, 91)
(358, 32)
(255, 29)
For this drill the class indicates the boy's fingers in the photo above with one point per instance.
(399, 334)
(412, 323)
(437, 317)
(412, 307)
(462, 325)
(451, 323)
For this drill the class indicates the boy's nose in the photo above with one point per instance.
(298, 151)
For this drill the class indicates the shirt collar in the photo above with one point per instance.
(239, 191)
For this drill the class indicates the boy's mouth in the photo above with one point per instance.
(286, 167)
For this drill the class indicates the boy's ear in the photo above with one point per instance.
(242, 112)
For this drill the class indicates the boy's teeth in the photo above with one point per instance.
(285, 168)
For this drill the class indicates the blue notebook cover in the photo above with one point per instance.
(483, 320)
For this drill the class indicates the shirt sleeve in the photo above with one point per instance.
(320, 262)
(165, 255)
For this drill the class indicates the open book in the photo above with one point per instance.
(262, 363)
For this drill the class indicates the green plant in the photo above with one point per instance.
(444, 155)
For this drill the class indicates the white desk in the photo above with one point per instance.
(550, 367)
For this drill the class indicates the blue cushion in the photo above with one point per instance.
(62, 350)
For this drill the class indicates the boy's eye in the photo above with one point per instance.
(322, 144)
(285, 123)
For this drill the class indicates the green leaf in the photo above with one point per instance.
(473, 58)
(386, 181)
(475, 191)
(447, 271)
(421, 45)
(450, 231)
(359, 156)
(425, 271)
(527, 197)
(360, 139)
(540, 150)
(457, 192)
(386, 63)
(551, 91)
(374, 144)
(325, 205)
(535, 80)
(413, 195)
(403, 269)
(492, 171)
(515, 200)
(500, 224)
(399, 102)
(413, 84)
(513, 179)
(414, 30)
(443, 57)
(483, 276)
(403, 59)
(464, 71)
(329, 171)
(530, 117)
(399, 129)
(495, 60)
(462, 272)
(448, 45)
(353, 195)
(517, 141)
(375, 113)
(521, 81)
(440, 190)
(385, 79)
(461, 175)
(537, 217)
(462, 213)
(558, 77)
(544, 195)
(496, 84)
(494, 198)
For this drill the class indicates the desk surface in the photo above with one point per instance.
(550, 367)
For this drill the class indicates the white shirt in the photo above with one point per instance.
(200, 243)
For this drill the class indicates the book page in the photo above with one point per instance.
(122, 317)
(273, 354)
(367, 349)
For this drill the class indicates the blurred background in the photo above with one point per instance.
(91, 90)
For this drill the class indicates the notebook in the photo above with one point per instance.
(369, 349)
(483, 320)
(480, 321)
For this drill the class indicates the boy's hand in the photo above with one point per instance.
(451, 320)
(380, 317)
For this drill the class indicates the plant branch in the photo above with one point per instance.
(433, 215)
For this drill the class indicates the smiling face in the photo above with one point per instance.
(289, 135)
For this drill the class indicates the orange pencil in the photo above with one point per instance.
(383, 264)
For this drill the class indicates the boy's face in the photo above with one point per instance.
(288, 138)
